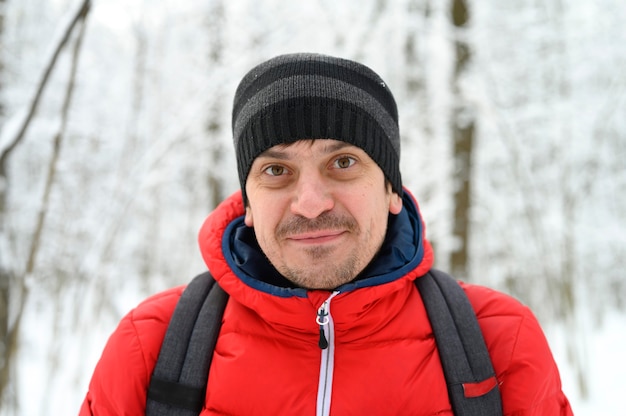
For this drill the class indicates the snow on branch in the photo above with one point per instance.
(18, 128)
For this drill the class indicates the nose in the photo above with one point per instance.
(312, 197)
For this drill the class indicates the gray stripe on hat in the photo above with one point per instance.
(304, 86)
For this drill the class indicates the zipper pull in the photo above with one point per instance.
(322, 320)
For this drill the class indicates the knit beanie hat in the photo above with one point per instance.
(310, 96)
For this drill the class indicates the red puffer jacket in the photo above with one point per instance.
(381, 361)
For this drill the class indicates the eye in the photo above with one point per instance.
(344, 162)
(275, 170)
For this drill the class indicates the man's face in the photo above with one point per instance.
(319, 209)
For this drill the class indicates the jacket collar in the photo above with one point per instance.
(231, 251)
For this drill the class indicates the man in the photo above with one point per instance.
(323, 234)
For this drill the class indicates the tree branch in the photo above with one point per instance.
(10, 333)
(80, 14)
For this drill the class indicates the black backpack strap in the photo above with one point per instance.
(178, 383)
(472, 384)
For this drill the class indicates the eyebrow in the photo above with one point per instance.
(277, 152)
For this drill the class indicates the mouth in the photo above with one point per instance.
(316, 237)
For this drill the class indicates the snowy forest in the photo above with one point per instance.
(115, 144)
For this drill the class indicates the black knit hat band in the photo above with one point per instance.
(305, 96)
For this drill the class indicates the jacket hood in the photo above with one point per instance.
(233, 256)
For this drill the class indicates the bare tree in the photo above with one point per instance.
(3, 6)
(5, 276)
(13, 286)
(462, 127)
(213, 125)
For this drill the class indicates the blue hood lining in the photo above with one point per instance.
(401, 252)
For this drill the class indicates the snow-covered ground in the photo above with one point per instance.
(606, 367)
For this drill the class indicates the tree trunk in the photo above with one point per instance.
(5, 275)
(462, 127)
(13, 289)
(213, 124)
(3, 7)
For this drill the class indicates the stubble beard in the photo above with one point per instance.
(326, 272)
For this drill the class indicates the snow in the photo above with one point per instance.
(605, 366)
(150, 127)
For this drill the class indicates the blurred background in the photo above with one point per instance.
(115, 144)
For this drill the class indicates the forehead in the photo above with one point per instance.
(316, 146)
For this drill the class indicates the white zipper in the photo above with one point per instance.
(327, 345)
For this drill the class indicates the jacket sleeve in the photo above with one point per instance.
(118, 386)
(531, 384)
(119, 382)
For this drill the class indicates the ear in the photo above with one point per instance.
(395, 203)
(248, 218)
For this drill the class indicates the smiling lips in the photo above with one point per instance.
(316, 237)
